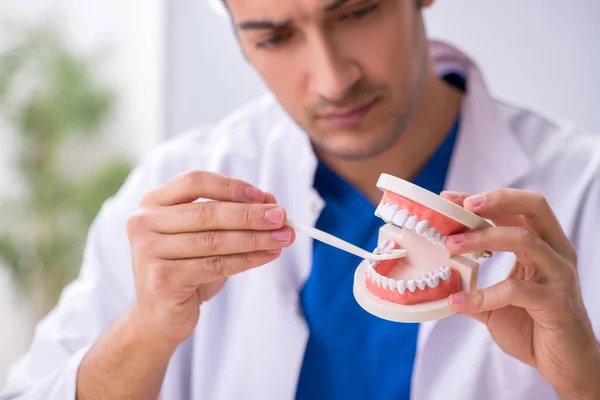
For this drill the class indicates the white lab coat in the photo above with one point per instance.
(250, 340)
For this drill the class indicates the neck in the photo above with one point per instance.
(434, 116)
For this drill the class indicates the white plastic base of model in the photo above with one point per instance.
(422, 253)
(430, 311)
(432, 201)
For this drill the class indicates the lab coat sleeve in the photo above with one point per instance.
(587, 241)
(103, 291)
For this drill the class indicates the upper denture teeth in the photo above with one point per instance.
(387, 245)
(436, 237)
(429, 233)
(400, 217)
(412, 222)
(401, 287)
(421, 227)
(379, 210)
(389, 211)
(443, 240)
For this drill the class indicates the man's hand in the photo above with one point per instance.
(183, 251)
(537, 314)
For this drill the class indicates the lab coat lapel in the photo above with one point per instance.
(486, 154)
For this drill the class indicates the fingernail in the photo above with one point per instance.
(275, 216)
(457, 298)
(457, 238)
(254, 194)
(451, 195)
(283, 235)
(475, 201)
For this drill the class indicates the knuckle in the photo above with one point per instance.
(160, 279)
(209, 241)
(256, 240)
(246, 215)
(202, 213)
(145, 247)
(138, 222)
(234, 187)
(192, 177)
(217, 266)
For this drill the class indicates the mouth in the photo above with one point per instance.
(415, 288)
(349, 116)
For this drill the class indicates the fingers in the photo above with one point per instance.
(527, 246)
(213, 215)
(218, 243)
(193, 185)
(525, 294)
(180, 274)
(499, 219)
(531, 207)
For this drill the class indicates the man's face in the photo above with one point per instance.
(349, 72)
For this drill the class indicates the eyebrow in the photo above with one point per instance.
(263, 25)
(334, 5)
(272, 25)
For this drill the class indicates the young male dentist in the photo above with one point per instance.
(218, 300)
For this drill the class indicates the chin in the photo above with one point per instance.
(358, 142)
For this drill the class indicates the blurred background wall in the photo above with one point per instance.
(176, 65)
(130, 36)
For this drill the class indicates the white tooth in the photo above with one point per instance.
(379, 210)
(389, 212)
(422, 227)
(420, 283)
(411, 285)
(412, 222)
(378, 279)
(374, 277)
(393, 284)
(401, 288)
(433, 281)
(436, 237)
(400, 217)
(384, 282)
(445, 273)
(443, 240)
(370, 271)
(387, 245)
(429, 233)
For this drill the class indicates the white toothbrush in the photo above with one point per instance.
(343, 245)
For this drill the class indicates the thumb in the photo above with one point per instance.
(508, 292)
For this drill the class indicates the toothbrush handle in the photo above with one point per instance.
(333, 241)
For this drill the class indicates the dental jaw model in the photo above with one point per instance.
(415, 288)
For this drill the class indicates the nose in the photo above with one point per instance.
(331, 74)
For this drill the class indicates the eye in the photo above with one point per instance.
(361, 13)
(274, 41)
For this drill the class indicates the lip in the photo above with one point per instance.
(349, 116)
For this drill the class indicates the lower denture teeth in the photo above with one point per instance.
(400, 218)
(412, 222)
(433, 282)
(401, 286)
(420, 284)
(444, 273)
(384, 282)
(393, 284)
(411, 285)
